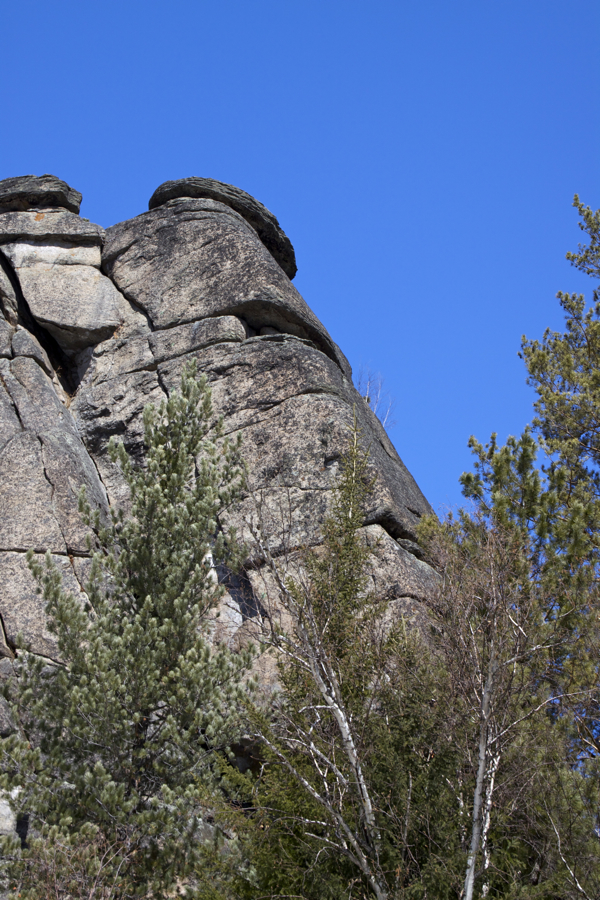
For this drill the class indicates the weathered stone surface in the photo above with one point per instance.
(193, 281)
(49, 225)
(9, 420)
(42, 466)
(114, 407)
(264, 222)
(28, 516)
(37, 192)
(57, 253)
(8, 299)
(6, 334)
(194, 259)
(25, 344)
(68, 468)
(185, 338)
(396, 573)
(8, 819)
(76, 303)
(120, 356)
(294, 409)
(7, 725)
(34, 396)
(23, 609)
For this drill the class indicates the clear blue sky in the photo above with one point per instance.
(422, 156)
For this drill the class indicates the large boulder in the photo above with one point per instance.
(37, 192)
(94, 325)
(56, 258)
(264, 222)
(192, 259)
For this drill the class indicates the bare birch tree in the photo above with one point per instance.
(370, 386)
(356, 728)
(499, 636)
(331, 628)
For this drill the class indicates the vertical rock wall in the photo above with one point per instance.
(94, 325)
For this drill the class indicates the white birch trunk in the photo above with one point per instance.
(486, 701)
(487, 816)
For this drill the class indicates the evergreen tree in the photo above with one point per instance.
(556, 506)
(114, 760)
(352, 799)
(464, 764)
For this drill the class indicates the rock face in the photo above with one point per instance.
(94, 325)
(258, 216)
(37, 192)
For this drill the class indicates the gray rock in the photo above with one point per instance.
(34, 396)
(9, 420)
(25, 344)
(394, 578)
(68, 468)
(8, 818)
(121, 356)
(23, 609)
(396, 574)
(8, 299)
(193, 281)
(76, 303)
(106, 407)
(43, 467)
(7, 725)
(47, 225)
(6, 334)
(185, 338)
(194, 259)
(28, 515)
(294, 409)
(37, 191)
(57, 253)
(264, 222)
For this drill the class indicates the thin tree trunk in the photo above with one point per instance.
(487, 815)
(481, 772)
(406, 818)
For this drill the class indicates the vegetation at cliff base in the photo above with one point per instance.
(114, 761)
(439, 749)
(461, 760)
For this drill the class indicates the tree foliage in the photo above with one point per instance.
(117, 741)
(459, 759)
(352, 799)
(478, 745)
(555, 506)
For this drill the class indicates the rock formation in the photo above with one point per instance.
(95, 324)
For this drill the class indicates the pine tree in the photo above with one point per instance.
(114, 760)
(556, 507)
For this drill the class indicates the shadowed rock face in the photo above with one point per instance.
(37, 192)
(94, 325)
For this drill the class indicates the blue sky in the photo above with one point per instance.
(422, 157)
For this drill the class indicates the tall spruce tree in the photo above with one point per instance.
(114, 759)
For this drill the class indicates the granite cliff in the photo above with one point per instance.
(95, 324)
